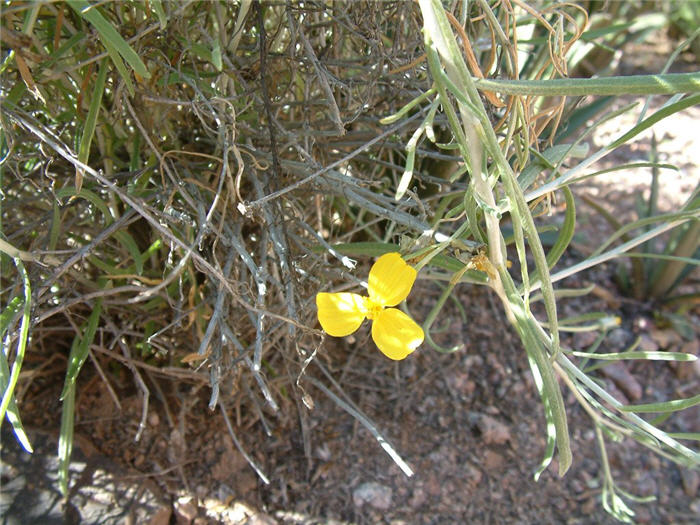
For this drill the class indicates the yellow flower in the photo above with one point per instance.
(394, 332)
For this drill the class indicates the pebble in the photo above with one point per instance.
(642, 514)
(589, 506)
(647, 344)
(153, 419)
(493, 431)
(623, 380)
(418, 498)
(686, 370)
(473, 475)
(691, 481)
(583, 340)
(375, 494)
(433, 485)
(492, 460)
(665, 338)
(618, 338)
(161, 516)
(185, 510)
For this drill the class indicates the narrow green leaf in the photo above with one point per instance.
(119, 64)
(689, 261)
(404, 111)
(216, 59)
(652, 356)
(8, 314)
(665, 219)
(581, 116)
(572, 87)
(109, 269)
(656, 117)
(109, 34)
(12, 411)
(549, 158)
(93, 111)
(370, 249)
(65, 437)
(89, 195)
(694, 436)
(79, 352)
(567, 230)
(666, 406)
(128, 242)
(666, 276)
(55, 230)
(430, 319)
(8, 392)
(201, 51)
(67, 46)
(157, 6)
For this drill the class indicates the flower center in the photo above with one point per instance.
(373, 309)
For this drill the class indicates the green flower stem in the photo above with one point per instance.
(626, 85)
(478, 131)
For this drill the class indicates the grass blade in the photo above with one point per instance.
(567, 230)
(666, 406)
(157, 6)
(22, 340)
(91, 121)
(109, 34)
(65, 438)
(572, 87)
(79, 353)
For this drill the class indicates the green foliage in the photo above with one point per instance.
(658, 269)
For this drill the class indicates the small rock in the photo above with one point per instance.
(375, 494)
(161, 516)
(433, 485)
(418, 498)
(260, 518)
(686, 370)
(153, 419)
(665, 338)
(691, 481)
(582, 340)
(458, 381)
(589, 506)
(647, 344)
(618, 337)
(185, 510)
(646, 485)
(612, 389)
(623, 380)
(473, 475)
(202, 491)
(492, 460)
(493, 431)
(642, 514)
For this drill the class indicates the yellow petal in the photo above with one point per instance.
(396, 334)
(390, 280)
(340, 314)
